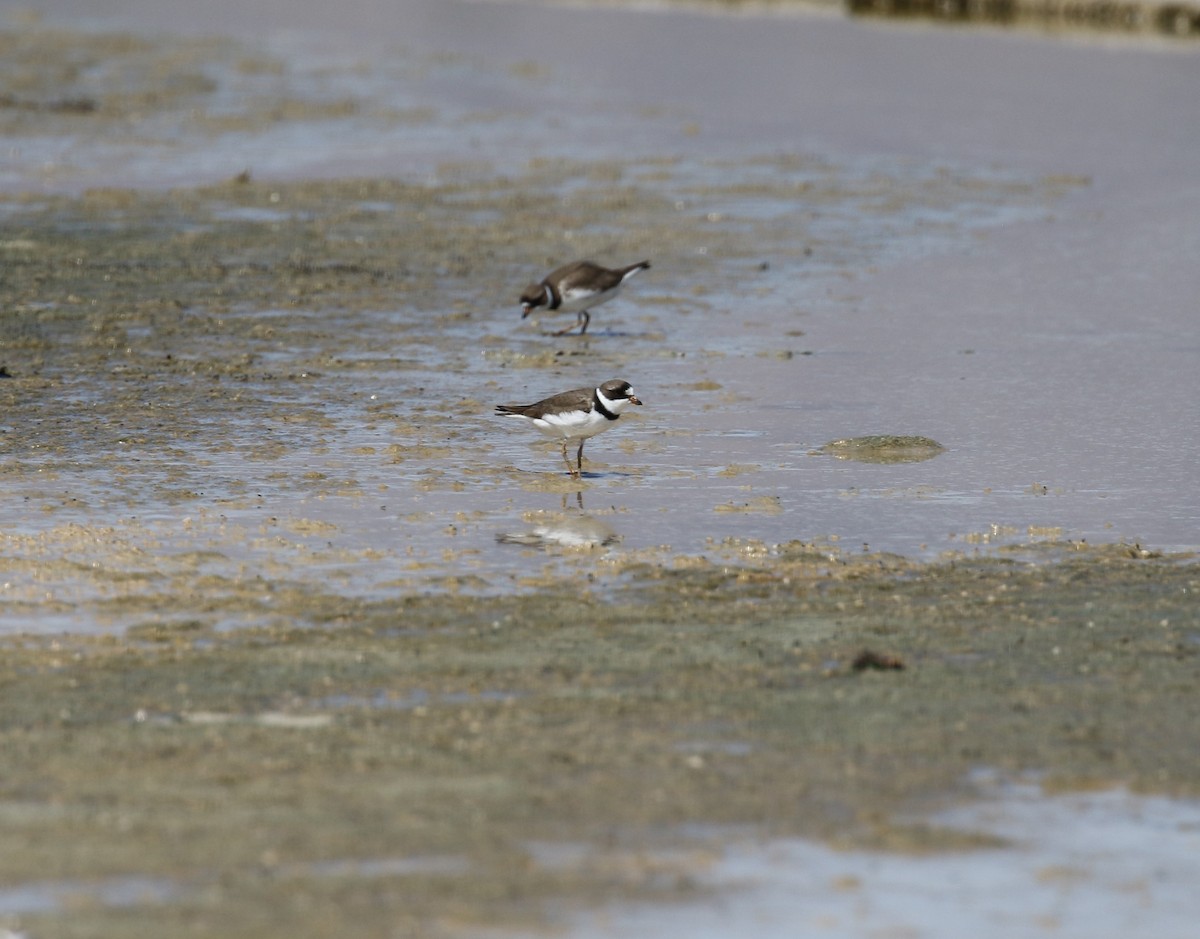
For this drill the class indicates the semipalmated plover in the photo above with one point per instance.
(576, 288)
(576, 415)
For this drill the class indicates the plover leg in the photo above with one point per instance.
(567, 460)
(584, 317)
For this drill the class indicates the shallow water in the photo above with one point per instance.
(1088, 865)
(868, 251)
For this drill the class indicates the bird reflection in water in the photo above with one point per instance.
(570, 528)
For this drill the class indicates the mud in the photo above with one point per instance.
(239, 768)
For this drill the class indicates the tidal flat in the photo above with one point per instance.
(296, 640)
(216, 722)
(221, 392)
(397, 762)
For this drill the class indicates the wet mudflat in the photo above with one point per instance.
(297, 638)
(207, 385)
(400, 761)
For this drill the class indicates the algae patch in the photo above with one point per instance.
(883, 448)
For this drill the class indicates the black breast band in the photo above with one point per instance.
(599, 406)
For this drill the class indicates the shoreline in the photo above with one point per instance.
(1164, 19)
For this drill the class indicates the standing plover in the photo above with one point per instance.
(576, 415)
(576, 288)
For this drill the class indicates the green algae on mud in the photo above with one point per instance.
(238, 766)
(884, 448)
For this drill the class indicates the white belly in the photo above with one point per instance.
(572, 425)
(575, 300)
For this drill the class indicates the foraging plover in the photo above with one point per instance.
(576, 415)
(576, 288)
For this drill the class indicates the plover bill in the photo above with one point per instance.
(575, 415)
(576, 288)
